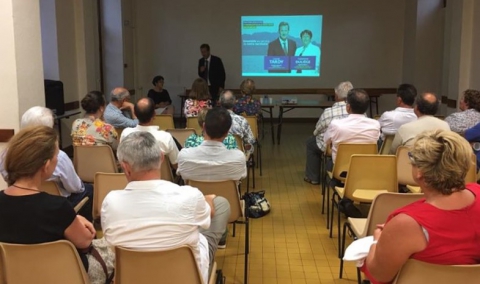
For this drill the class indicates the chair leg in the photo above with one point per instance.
(248, 178)
(253, 172)
(259, 158)
(247, 250)
(338, 231)
(359, 276)
(331, 215)
(234, 228)
(327, 189)
(341, 248)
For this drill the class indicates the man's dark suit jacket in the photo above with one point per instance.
(275, 48)
(216, 71)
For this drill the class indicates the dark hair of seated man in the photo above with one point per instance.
(145, 110)
(358, 100)
(217, 123)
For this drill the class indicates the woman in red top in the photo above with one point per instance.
(443, 228)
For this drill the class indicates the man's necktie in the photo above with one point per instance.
(285, 50)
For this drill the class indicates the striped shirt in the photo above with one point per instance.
(338, 110)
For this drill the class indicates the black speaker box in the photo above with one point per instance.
(54, 99)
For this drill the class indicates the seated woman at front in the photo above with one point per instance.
(444, 227)
(28, 215)
(92, 129)
(161, 97)
(246, 104)
(195, 140)
(198, 98)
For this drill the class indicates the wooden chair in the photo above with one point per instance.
(386, 145)
(55, 262)
(166, 170)
(228, 189)
(417, 272)
(404, 169)
(248, 160)
(181, 134)
(175, 266)
(364, 183)
(192, 122)
(340, 167)
(88, 160)
(383, 205)
(164, 121)
(323, 174)
(104, 183)
(52, 188)
(253, 122)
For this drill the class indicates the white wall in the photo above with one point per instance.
(362, 41)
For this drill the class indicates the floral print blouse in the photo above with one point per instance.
(248, 105)
(193, 107)
(195, 140)
(86, 131)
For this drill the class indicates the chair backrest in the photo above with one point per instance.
(417, 272)
(104, 183)
(88, 160)
(471, 176)
(239, 141)
(55, 262)
(384, 204)
(227, 189)
(166, 169)
(164, 121)
(181, 134)
(192, 122)
(345, 151)
(380, 174)
(252, 121)
(50, 187)
(176, 266)
(386, 145)
(404, 167)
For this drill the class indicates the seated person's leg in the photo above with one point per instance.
(314, 158)
(75, 198)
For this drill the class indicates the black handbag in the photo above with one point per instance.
(256, 204)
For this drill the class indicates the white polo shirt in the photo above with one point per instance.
(157, 215)
(167, 145)
(390, 121)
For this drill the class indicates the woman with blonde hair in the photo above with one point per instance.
(198, 98)
(246, 103)
(442, 228)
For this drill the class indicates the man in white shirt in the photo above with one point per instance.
(145, 110)
(390, 121)
(426, 106)
(153, 214)
(212, 161)
(315, 144)
(356, 127)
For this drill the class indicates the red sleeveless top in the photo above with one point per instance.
(453, 235)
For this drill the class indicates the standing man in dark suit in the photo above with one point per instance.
(210, 68)
(282, 46)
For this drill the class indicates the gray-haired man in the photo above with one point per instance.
(153, 214)
(114, 111)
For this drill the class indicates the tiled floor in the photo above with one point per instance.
(291, 244)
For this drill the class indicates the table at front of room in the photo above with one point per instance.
(268, 108)
(301, 104)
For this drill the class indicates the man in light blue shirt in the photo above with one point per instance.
(114, 111)
(64, 174)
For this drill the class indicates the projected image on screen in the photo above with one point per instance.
(288, 46)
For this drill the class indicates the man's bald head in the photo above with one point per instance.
(227, 99)
(119, 94)
(145, 110)
(426, 104)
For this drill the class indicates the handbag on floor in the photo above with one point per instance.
(256, 204)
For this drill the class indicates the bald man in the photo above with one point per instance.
(426, 106)
(119, 102)
(145, 111)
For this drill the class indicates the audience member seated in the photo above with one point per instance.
(145, 110)
(473, 136)
(92, 130)
(390, 121)
(315, 144)
(161, 97)
(469, 115)
(426, 106)
(444, 227)
(119, 111)
(64, 175)
(195, 140)
(240, 124)
(212, 161)
(153, 214)
(356, 127)
(198, 98)
(246, 104)
(28, 215)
